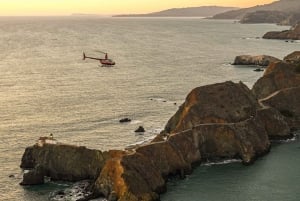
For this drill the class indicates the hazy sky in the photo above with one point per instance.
(66, 7)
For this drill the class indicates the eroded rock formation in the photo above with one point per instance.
(286, 101)
(63, 162)
(277, 76)
(292, 34)
(260, 60)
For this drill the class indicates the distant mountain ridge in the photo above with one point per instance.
(287, 6)
(203, 11)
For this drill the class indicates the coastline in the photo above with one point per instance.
(142, 173)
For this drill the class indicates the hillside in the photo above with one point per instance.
(287, 6)
(203, 11)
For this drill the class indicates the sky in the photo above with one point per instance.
(107, 7)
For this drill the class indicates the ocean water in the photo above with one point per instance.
(46, 87)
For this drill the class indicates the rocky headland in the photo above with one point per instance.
(284, 12)
(292, 34)
(219, 121)
(265, 16)
(202, 11)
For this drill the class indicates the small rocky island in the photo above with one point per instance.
(260, 60)
(216, 122)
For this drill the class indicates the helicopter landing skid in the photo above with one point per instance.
(103, 65)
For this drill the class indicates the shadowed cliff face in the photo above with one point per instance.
(279, 88)
(287, 102)
(277, 76)
(293, 34)
(64, 162)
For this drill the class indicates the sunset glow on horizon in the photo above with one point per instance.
(101, 7)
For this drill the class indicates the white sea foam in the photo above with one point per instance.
(293, 139)
(222, 162)
(135, 122)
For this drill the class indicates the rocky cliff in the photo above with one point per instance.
(62, 162)
(277, 76)
(216, 122)
(292, 34)
(293, 58)
(290, 8)
(279, 89)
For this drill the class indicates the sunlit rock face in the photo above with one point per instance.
(293, 58)
(277, 76)
(293, 34)
(226, 102)
(227, 121)
(260, 60)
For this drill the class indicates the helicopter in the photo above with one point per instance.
(106, 62)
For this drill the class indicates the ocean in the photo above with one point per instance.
(46, 87)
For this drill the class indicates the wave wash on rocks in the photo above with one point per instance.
(218, 121)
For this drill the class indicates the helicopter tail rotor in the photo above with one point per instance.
(83, 58)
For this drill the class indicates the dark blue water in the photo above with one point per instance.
(274, 177)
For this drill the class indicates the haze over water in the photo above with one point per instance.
(46, 87)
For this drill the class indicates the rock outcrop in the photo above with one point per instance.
(217, 103)
(34, 176)
(279, 89)
(260, 60)
(63, 162)
(277, 76)
(286, 101)
(293, 34)
(293, 58)
(211, 105)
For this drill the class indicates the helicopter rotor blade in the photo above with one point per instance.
(100, 51)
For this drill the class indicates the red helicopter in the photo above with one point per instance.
(106, 62)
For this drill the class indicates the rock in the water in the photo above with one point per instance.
(140, 129)
(293, 34)
(261, 60)
(258, 70)
(124, 120)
